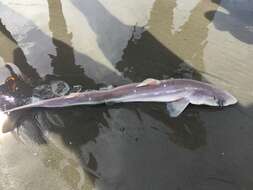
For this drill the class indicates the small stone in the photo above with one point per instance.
(35, 154)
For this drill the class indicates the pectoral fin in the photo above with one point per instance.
(177, 107)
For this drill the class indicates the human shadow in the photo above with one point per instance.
(238, 20)
(143, 58)
(63, 62)
(148, 58)
(80, 126)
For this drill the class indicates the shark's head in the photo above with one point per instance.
(213, 97)
(222, 98)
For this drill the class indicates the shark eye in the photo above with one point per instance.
(220, 103)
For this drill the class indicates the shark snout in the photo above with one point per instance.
(224, 98)
(230, 100)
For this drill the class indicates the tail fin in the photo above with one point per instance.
(11, 122)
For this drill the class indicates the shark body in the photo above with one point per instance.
(176, 93)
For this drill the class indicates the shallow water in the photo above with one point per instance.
(130, 146)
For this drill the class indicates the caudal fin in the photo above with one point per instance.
(11, 121)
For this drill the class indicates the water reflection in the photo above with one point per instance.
(236, 20)
(110, 32)
(182, 12)
(133, 146)
(39, 49)
(34, 125)
(14, 54)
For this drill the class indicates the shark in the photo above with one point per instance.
(176, 93)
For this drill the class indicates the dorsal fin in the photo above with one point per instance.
(72, 95)
(149, 81)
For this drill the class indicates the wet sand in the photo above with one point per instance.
(131, 146)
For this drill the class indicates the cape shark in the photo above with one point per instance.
(176, 93)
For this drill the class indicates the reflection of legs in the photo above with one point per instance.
(13, 53)
(64, 61)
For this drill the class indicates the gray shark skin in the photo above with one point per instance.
(177, 93)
